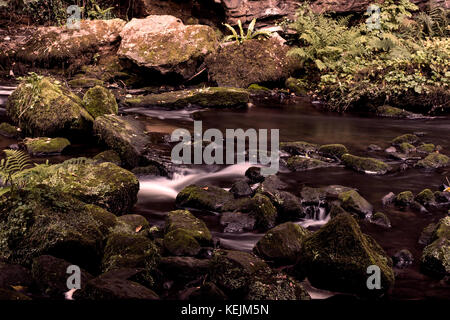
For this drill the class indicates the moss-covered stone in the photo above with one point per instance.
(45, 146)
(211, 97)
(406, 147)
(381, 219)
(408, 138)
(194, 227)
(263, 211)
(426, 148)
(366, 165)
(282, 243)
(41, 220)
(426, 197)
(393, 112)
(180, 242)
(404, 198)
(335, 151)
(298, 147)
(41, 106)
(258, 88)
(297, 86)
(104, 184)
(299, 163)
(353, 202)
(337, 256)
(108, 156)
(99, 101)
(434, 161)
(84, 82)
(8, 130)
(205, 198)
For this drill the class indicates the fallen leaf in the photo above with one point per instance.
(205, 188)
(138, 228)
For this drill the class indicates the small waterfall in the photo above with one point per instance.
(316, 215)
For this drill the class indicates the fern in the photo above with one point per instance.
(243, 36)
(15, 162)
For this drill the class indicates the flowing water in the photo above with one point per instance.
(302, 121)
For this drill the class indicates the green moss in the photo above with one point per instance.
(435, 260)
(180, 242)
(366, 165)
(381, 219)
(42, 146)
(425, 197)
(257, 87)
(298, 86)
(426, 148)
(299, 163)
(8, 130)
(183, 219)
(84, 82)
(392, 112)
(406, 147)
(409, 138)
(434, 161)
(404, 198)
(335, 151)
(353, 202)
(99, 101)
(206, 198)
(108, 156)
(264, 211)
(298, 147)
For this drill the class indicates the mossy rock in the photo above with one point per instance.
(263, 211)
(99, 101)
(434, 161)
(41, 106)
(297, 86)
(135, 223)
(41, 220)
(204, 198)
(408, 138)
(212, 97)
(381, 219)
(180, 242)
(277, 287)
(335, 151)
(130, 251)
(406, 147)
(258, 88)
(299, 163)
(104, 184)
(184, 220)
(426, 148)
(393, 112)
(404, 198)
(353, 202)
(150, 170)
(298, 147)
(8, 130)
(435, 260)
(426, 197)
(282, 243)
(365, 165)
(337, 256)
(84, 82)
(45, 146)
(108, 156)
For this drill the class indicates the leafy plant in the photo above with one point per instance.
(15, 162)
(434, 22)
(91, 10)
(243, 36)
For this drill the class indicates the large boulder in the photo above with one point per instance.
(42, 106)
(104, 184)
(337, 256)
(164, 44)
(253, 61)
(204, 198)
(365, 165)
(99, 101)
(45, 146)
(39, 220)
(434, 161)
(354, 203)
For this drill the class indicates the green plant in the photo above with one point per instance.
(15, 162)
(242, 36)
(45, 11)
(434, 22)
(91, 10)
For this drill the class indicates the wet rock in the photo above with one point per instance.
(288, 205)
(404, 199)
(391, 150)
(392, 112)
(85, 82)
(434, 161)
(206, 292)
(282, 244)
(146, 171)
(406, 147)
(42, 106)
(241, 189)
(426, 148)
(254, 175)
(237, 222)
(184, 268)
(442, 196)
(183, 219)
(334, 151)
(335, 210)
(381, 219)
(426, 235)
(337, 256)
(426, 197)
(253, 61)
(354, 203)
(164, 44)
(99, 101)
(264, 212)
(108, 156)
(135, 222)
(270, 185)
(104, 184)
(374, 147)
(41, 221)
(14, 275)
(300, 148)
(388, 199)
(365, 165)
(45, 146)
(8, 130)
(408, 138)
(180, 242)
(299, 163)
(51, 275)
(211, 97)
(403, 259)
(205, 198)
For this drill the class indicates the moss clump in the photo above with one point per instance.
(205, 198)
(335, 151)
(426, 197)
(406, 147)
(404, 198)
(366, 165)
(212, 97)
(299, 163)
(108, 156)
(258, 88)
(434, 161)
(179, 242)
(381, 219)
(45, 146)
(409, 138)
(337, 256)
(41, 106)
(99, 101)
(435, 259)
(426, 148)
(8, 130)
(194, 227)
(392, 112)
(298, 86)
(263, 211)
(298, 147)
(82, 82)
(282, 243)
(353, 202)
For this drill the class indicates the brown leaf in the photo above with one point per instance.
(138, 229)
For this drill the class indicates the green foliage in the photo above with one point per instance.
(46, 11)
(242, 36)
(93, 11)
(15, 162)
(434, 22)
